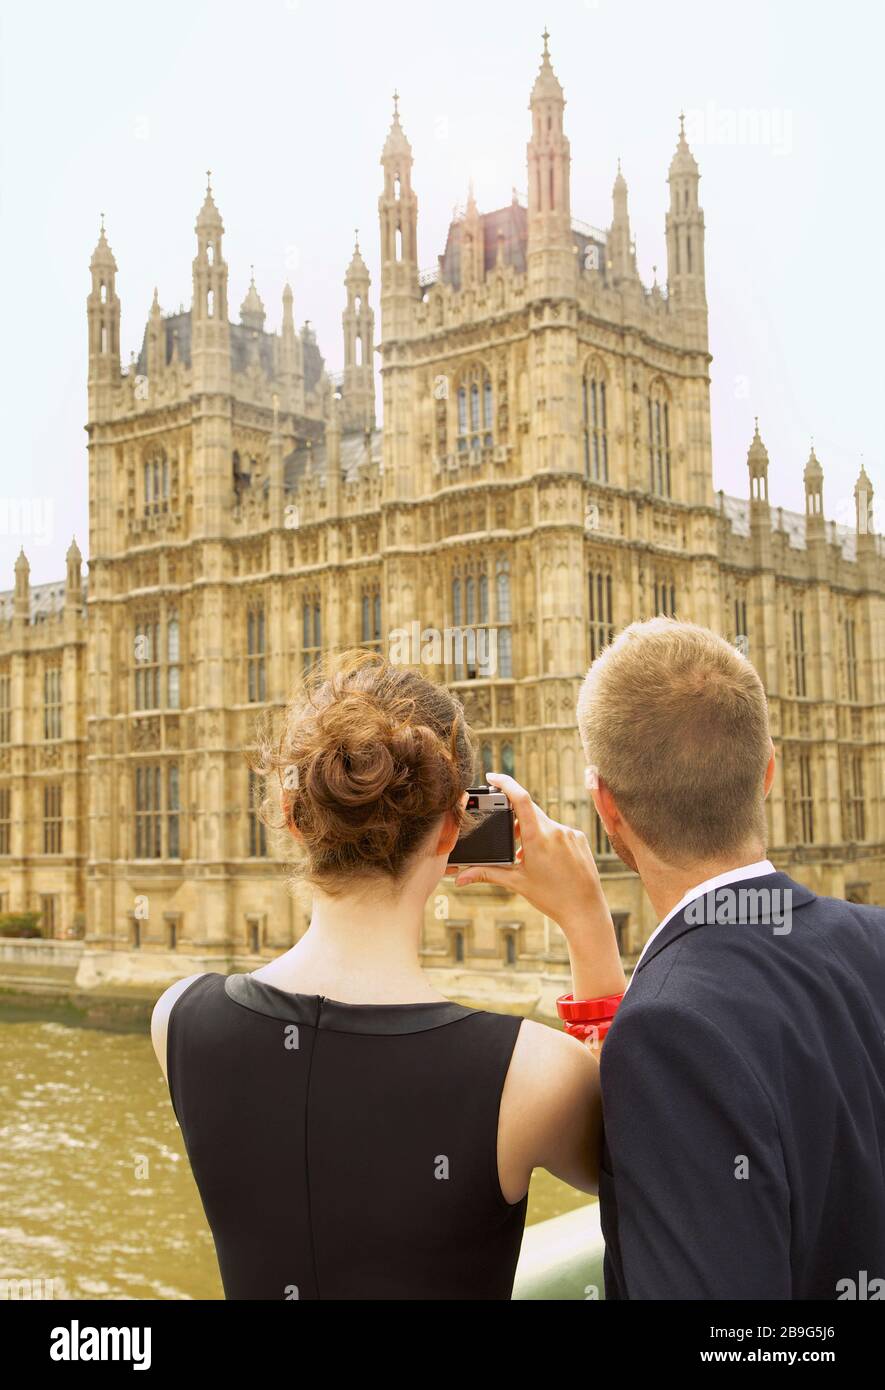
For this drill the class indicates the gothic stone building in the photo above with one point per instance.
(544, 472)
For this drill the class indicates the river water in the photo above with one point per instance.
(96, 1194)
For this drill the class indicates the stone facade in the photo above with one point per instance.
(544, 475)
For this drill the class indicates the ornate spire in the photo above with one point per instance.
(757, 463)
(863, 503)
(620, 251)
(357, 269)
(683, 161)
(396, 142)
(102, 256)
(758, 451)
(813, 469)
(209, 216)
(547, 85)
(252, 309)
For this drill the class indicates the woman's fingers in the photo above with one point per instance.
(528, 814)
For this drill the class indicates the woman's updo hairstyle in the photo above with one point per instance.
(370, 756)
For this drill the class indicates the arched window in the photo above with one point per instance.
(210, 304)
(255, 654)
(476, 431)
(665, 598)
(659, 441)
(483, 598)
(311, 632)
(371, 621)
(488, 764)
(456, 602)
(103, 338)
(104, 293)
(595, 427)
(470, 604)
(210, 254)
(508, 763)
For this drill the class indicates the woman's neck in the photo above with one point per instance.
(360, 948)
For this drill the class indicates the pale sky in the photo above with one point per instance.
(122, 108)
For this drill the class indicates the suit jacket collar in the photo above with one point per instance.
(678, 925)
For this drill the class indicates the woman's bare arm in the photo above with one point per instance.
(551, 1112)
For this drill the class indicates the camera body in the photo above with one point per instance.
(493, 840)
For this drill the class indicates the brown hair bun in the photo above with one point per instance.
(370, 756)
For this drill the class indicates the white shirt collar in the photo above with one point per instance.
(757, 870)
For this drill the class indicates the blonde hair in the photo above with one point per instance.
(674, 721)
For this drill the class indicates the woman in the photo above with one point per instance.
(352, 1132)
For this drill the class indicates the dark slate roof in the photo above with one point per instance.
(46, 601)
(353, 453)
(240, 338)
(512, 225)
(172, 323)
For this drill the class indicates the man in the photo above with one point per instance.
(743, 1079)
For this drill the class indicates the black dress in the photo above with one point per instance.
(345, 1151)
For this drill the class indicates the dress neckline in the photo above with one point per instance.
(318, 1011)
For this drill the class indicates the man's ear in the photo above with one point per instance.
(769, 771)
(605, 806)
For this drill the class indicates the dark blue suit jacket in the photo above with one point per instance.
(743, 1090)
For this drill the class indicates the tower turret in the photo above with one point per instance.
(814, 498)
(103, 317)
(156, 341)
(73, 576)
(621, 252)
(685, 229)
(21, 603)
(358, 322)
(398, 215)
(210, 331)
(252, 313)
(472, 244)
(757, 464)
(551, 259)
(291, 358)
(863, 510)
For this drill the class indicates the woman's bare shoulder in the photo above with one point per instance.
(162, 1010)
(547, 1059)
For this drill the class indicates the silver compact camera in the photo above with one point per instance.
(493, 839)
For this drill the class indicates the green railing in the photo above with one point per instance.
(562, 1258)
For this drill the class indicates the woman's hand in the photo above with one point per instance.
(556, 872)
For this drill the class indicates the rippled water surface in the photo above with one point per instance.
(95, 1189)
